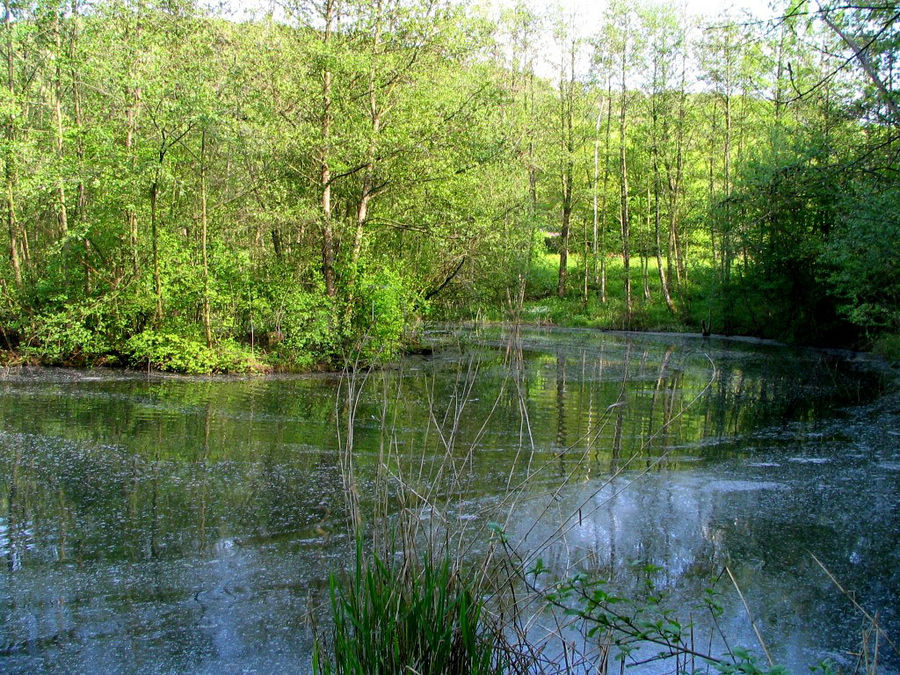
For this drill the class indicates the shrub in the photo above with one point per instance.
(65, 335)
(383, 310)
(169, 351)
(303, 327)
(888, 346)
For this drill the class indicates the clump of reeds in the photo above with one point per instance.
(391, 616)
(406, 605)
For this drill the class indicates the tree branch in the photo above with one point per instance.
(861, 55)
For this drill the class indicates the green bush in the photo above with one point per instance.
(169, 351)
(233, 357)
(860, 262)
(888, 346)
(302, 327)
(543, 275)
(383, 310)
(65, 336)
(166, 350)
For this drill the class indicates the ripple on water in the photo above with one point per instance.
(744, 485)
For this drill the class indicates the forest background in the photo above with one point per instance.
(192, 193)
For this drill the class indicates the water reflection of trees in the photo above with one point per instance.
(258, 457)
(158, 483)
(135, 471)
(652, 392)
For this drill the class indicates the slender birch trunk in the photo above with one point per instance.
(10, 169)
(203, 239)
(328, 253)
(624, 215)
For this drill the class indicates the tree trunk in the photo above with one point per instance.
(567, 110)
(324, 157)
(711, 185)
(676, 188)
(134, 94)
(154, 231)
(605, 190)
(203, 231)
(532, 168)
(587, 268)
(624, 215)
(368, 181)
(595, 179)
(726, 232)
(57, 114)
(663, 282)
(645, 264)
(10, 170)
(80, 197)
(564, 247)
(861, 55)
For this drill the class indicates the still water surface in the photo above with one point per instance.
(163, 524)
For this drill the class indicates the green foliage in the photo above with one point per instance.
(185, 354)
(383, 312)
(448, 163)
(888, 346)
(861, 262)
(393, 618)
(746, 663)
(168, 351)
(630, 623)
(826, 667)
(542, 274)
(543, 306)
(302, 327)
(72, 335)
(645, 623)
(771, 290)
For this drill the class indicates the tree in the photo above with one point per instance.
(618, 31)
(566, 136)
(12, 114)
(665, 40)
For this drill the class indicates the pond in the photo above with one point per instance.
(173, 524)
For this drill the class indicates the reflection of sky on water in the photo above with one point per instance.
(241, 610)
(762, 520)
(184, 524)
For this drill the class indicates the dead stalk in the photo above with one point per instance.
(762, 643)
(873, 620)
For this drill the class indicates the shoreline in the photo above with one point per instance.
(15, 361)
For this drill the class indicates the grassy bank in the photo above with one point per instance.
(297, 331)
(695, 298)
(746, 305)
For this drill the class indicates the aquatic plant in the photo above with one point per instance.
(400, 615)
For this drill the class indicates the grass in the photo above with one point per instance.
(541, 305)
(407, 615)
(748, 304)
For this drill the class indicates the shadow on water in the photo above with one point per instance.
(190, 524)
